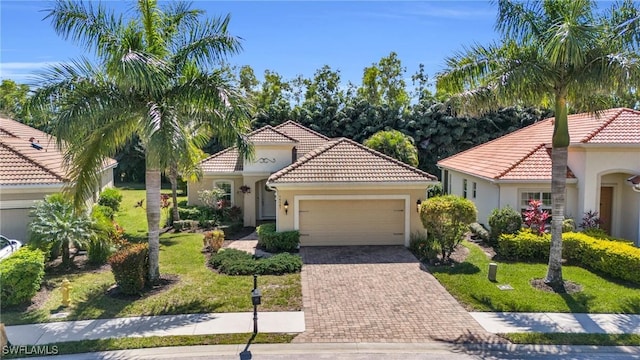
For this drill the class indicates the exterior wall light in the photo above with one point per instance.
(418, 203)
(286, 207)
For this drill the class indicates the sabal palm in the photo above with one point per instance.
(153, 80)
(553, 52)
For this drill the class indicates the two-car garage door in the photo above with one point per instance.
(352, 222)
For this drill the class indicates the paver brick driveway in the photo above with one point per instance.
(377, 294)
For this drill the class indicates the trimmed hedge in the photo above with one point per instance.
(238, 262)
(21, 275)
(478, 230)
(130, 266)
(617, 259)
(273, 241)
(185, 225)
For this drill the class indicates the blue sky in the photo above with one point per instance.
(289, 37)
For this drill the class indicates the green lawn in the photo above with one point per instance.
(198, 289)
(468, 282)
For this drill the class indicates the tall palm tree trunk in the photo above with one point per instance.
(152, 180)
(173, 178)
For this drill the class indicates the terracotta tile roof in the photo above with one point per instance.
(227, 160)
(307, 138)
(345, 160)
(23, 164)
(268, 134)
(519, 155)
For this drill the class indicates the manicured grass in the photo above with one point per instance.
(468, 282)
(574, 339)
(197, 289)
(74, 347)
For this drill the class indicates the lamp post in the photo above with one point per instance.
(256, 300)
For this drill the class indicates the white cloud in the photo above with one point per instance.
(22, 72)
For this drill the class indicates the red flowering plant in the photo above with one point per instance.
(535, 217)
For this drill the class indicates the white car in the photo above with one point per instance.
(8, 247)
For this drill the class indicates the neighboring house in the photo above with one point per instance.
(335, 192)
(31, 167)
(603, 163)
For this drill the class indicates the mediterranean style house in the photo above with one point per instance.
(334, 191)
(602, 174)
(31, 167)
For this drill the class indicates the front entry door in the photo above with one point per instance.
(267, 203)
(606, 206)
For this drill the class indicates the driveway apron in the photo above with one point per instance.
(378, 294)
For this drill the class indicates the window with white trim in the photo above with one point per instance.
(475, 189)
(464, 188)
(543, 196)
(227, 187)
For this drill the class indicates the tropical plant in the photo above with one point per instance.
(395, 144)
(56, 225)
(157, 78)
(535, 218)
(552, 52)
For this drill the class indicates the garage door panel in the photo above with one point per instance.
(351, 222)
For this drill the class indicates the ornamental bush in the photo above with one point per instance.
(424, 247)
(447, 218)
(503, 221)
(21, 275)
(130, 267)
(279, 264)
(238, 262)
(110, 197)
(213, 240)
(478, 230)
(524, 245)
(273, 241)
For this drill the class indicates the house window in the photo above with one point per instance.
(475, 189)
(527, 196)
(464, 188)
(227, 187)
(445, 179)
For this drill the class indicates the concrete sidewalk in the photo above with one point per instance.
(495, 322)
(143, 326)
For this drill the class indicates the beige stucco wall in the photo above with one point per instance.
(206, 183)
(625, 207)
(269, 158)
(287, 221)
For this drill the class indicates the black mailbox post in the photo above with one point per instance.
(256, 299)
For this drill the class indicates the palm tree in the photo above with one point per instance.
(552, 52)
(156, 78)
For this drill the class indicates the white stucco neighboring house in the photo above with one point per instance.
(334, 191)
(603, 163)
(31, 167)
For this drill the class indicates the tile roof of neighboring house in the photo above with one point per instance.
(522, 154)
(307, 138)
(345, 161)
(227, 160)
(23, 164)
(268, 134)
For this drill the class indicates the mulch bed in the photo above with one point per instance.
(569, 287)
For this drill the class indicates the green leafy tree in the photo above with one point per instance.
(13, 97)
(56, 225)
(383, 83)
(447, 219)
(552, 53)
(158, 77)
(395, 144)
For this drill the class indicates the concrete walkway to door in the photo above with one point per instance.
(378, 294)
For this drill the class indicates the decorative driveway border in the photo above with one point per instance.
(378, 294)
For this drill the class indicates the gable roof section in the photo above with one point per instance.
(267, 134)
(307, 138)
(23, 164)
(346, 161)
(523, 154)
(227, 160)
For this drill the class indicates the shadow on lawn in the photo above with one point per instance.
(454, 269)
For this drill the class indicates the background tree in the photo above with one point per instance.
(395, 144)
(156, 79)
(552, 52)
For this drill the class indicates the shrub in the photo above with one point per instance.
(448, 218)
(110, 197)
(213, 240)
(423, 246)
(185, 225)
(238, 262)
(478, 230)
(504, 221)
(279, 264)
(189, 213)
(524, 246)
(568, 225)
(590, 220)
(105, 232)
(21, 276)
(535, 218)
(273, 241)
(129, 266)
